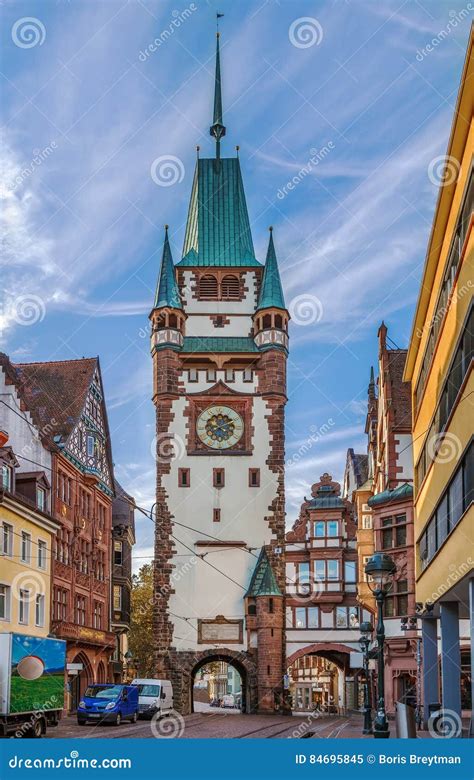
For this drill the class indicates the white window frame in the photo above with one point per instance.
(7, 483)
(24, 606)
(39, 610)
(7, 531)
(7, 594)
(40, 491)
(42, 554)
(25, 537)
(90, 438)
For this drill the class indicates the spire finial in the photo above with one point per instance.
(217, 128)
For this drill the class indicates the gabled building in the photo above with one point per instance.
(67, 400)
(322, 610)
(384, 515)
(27, 527)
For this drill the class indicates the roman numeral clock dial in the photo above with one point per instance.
(219, 427)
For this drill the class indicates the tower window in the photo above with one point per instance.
(184, 479)
(193, 375)
(278, 321)
(211, 374)
(230, 288)
(208, 289)
(229, 375)
(218, 478)
(216, 515)
(248, 375)
(254, 477)
(270, 605)
(173, 321)
(267, 321)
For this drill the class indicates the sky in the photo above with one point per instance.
(342, 111)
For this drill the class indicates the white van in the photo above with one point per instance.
(154, 696)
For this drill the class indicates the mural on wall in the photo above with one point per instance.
(37, 673)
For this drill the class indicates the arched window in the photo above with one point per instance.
(230, 288)
(161, 321)
(252, 609)
(208, 288)
(278, 321)
(267, 321)
(173, 321)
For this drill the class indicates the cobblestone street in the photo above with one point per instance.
(221, 726)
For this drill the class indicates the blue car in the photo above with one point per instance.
(108, 703)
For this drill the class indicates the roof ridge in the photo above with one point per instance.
(54, 362)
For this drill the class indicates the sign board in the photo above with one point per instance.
(357, 661)
(74, 667)
(220, 630)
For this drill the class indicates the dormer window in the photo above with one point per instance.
(41, 498)
(7, 477)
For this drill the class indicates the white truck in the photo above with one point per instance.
(31, 683)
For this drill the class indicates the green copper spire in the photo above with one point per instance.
(263, 582)
(271, 291)
(217, 128)
(167, 293)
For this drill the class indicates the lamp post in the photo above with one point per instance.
(380, 569)
(366, 630)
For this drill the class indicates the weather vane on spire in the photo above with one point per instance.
(217, 128)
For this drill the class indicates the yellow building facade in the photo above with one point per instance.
(439, 368)
(25, 566)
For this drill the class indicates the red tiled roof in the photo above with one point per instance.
(55, 392)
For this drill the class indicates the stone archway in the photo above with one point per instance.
(324, 685)
(185, 665)
(80, 681)
(101, 673)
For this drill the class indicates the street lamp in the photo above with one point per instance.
(380, 569)
(366, 630)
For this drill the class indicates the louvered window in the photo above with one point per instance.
(230, 288)
(208, 287)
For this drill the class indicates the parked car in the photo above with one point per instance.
(154, 696)
(108, 703)
(228, 700)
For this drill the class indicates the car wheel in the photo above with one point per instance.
(134, 717)
(118, 719)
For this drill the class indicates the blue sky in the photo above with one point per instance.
(89, 109)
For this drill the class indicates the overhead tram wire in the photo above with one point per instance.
(147, 513)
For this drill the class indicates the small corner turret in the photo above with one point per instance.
(167, 316)
(271, 316)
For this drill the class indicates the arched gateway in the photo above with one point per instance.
(219, 346)
(246, 668)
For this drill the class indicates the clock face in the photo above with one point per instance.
(219, 427)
